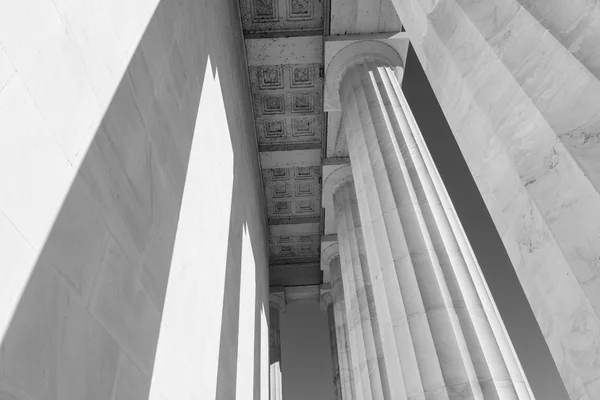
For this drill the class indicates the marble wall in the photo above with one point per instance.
(132, 228)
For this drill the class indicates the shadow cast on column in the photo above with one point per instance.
(88, 322)
(498, 271)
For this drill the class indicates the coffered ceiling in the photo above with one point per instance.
(285, 48)
(260, 16)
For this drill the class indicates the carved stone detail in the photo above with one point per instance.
(301, 76)
(293, 191)
(303, 102)
(281, 15)
(300, 10)
(264, 11)
(292, 246)
(270, 77)
(273, 104)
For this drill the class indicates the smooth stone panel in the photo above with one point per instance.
(78, 242)
(411, 230)
(123, 307)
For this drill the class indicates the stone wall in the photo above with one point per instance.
(132, 229)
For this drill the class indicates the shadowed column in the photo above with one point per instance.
(326, 302)
(354, 263)
(351, 387)
(276, 306)
(451, 343)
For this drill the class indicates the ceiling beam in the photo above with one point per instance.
(294, 220)
(283, 34)
(295, 260)
(289, 146)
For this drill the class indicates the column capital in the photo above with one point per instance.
(333, 179)
(325, 297)
(345, 54)
(328, 253)
(277, 298)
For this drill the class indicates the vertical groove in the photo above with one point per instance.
(354, 383)
(347, 241)
(379, 250)
(389, 392)
(353, 312)
(449, 338)
(333, 345)
(392, 242)
(383, 287)
(275, 385)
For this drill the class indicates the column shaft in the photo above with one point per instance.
(494, 360)
(352, 265)
(334, 352)
(351, 387)
(450, 342)
(275, 383)
(519, 85)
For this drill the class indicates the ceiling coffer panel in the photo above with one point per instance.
(293, 191)
(281, 15)
(287, 103)
(292, 246)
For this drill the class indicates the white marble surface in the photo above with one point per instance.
(522, 100)
(456, 343)
(277, 305)
(114, 122)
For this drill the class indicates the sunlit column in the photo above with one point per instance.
(326, 302)
(450, 341)
(276, 306)
(358, 290)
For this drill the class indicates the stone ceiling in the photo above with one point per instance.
(284, 46)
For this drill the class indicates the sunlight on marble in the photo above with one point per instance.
(190, 332)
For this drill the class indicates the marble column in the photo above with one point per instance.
(449, 339)
(519, 83)
(350, 387)
(276, 306)
(326, 301)
(358, 290)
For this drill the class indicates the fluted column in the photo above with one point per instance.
(449, 340)
(276, 306)
(519, 83)
(350, 387)
(326, 301)
(359, 291)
